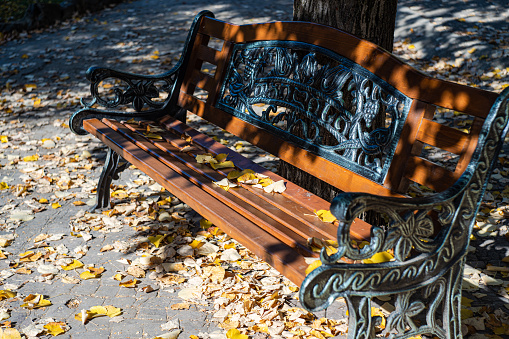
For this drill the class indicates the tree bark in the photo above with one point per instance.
(373, 20)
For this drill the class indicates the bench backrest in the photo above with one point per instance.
(342, 108)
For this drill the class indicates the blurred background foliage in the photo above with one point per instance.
(11, 10)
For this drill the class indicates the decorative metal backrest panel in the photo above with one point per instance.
(317, 100)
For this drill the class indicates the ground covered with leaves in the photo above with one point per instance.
(151, 267)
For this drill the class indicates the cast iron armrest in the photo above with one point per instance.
(136, 90)
(128, 89)
(422, 254)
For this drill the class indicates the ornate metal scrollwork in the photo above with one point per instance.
(318, 100)
(136, 90)
(425, 261)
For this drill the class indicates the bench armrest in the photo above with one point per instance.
(136, 90)
(422, 254)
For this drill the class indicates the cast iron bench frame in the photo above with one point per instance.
(311, 70)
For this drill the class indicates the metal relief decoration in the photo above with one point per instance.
(318, 100)
(427, 270)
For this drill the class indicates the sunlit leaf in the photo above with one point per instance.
(28, 158)
(378, 258)
(55, 328)
(224, 164)
(6, 294)
(74, 265)
(325, 216)
(129, 284)
(35, 301)
(235, 334)
(157, 240)
(315, 264)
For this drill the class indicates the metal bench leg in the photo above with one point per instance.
(452, 310)
(113, 165)
(360, 325)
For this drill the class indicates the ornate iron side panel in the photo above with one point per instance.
(428, 268)
(318, 100)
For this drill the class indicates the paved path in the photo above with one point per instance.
(42, 81)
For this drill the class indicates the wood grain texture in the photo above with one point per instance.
(409, 81)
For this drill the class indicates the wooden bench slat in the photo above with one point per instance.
(203, 81)
(304, 201)
(209, 54)
(441, 136)
(426, 173)
(409, 81)
(257, 199)
(282, 257)
(270, 225)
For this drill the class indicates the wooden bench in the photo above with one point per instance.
(288, 87)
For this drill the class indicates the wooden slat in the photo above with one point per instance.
(209, 54)
(323, 169)
(405, 78)
(304, 202)
(444, 137)
(465, 158)
(203, 81)
(395, 176)
(429, 174)
(246, 200)
(270, 249)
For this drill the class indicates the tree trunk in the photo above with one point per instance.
(373, 20)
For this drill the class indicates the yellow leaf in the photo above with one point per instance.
(315, 264)
(43, 201)
(224, 164)
(230, 245)
(129, 284)
(379, 257)
(6, 294)
(236, 174)
(472, 50)
(54, 328)
(118, 276)
(28, 158)
(35, 301)
(249, 178)
(4, 139)
(78, 203)
(411, 46)
(221, 157)
(152, 135)
(205, 158)
(196, 244)
(112, 311)
(157, 240)
(466, 302)
(55, 205)
(85, 275)
(3, 186)
(466, 313)
(235, 334)
(376, 312)
(9, 333)
(205, 224)
(75, 264)
(325, 216)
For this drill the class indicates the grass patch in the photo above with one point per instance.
(11, 10)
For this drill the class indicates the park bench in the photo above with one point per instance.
(341, 109)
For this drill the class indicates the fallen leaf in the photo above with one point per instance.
(29, 158)
(33, 301)
(325, 216)
(9, 333)
(157, 240)
(74, 265)
(6, 294)
(180, 306)
(55, 328)
(235, 334)
(129, 284)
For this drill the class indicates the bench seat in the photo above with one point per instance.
(276, 227)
